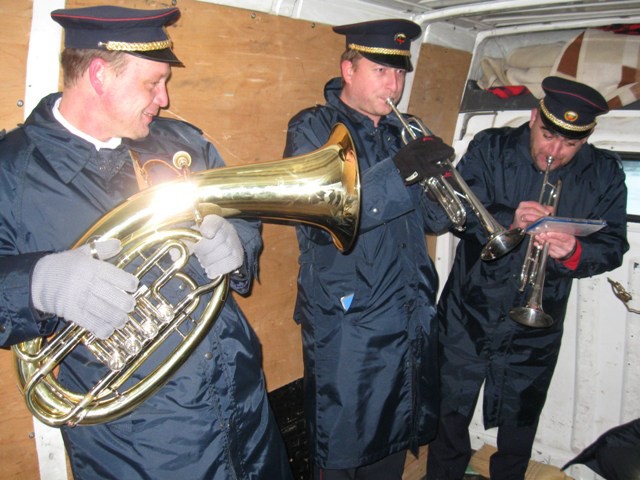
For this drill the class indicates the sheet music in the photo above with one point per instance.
(579, 227)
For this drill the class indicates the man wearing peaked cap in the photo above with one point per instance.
(79, 154)
(387, 42)
(138, 32)
(485, 336)
(570, 108)
(369, 339)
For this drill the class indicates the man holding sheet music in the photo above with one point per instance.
(479, 339)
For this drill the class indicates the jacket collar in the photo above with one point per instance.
(67, 154)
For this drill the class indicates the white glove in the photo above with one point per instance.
(89, 292)
(220, 250)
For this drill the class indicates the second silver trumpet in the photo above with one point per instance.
(535, 264)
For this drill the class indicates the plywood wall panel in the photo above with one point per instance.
(16, 24)
(247, 73)
(440, 76)
(18, 457)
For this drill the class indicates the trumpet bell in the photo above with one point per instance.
(531, 317)
(502, 243)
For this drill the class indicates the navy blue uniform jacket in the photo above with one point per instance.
(211, 420)
(370, 366)
(479, 340)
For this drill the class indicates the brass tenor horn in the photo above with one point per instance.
(500, 240)
(535, 265)
(320, 188)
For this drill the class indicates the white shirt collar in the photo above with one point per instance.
(111, 143)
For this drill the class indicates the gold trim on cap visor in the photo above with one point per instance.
(135, 46)
(381, 51)
(567, 126)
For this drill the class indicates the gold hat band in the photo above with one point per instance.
(382, 51)
(563, 124)
(135, 46)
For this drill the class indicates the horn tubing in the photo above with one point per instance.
(314, 188)
(321, 188)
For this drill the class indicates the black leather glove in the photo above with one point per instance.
(422, 158)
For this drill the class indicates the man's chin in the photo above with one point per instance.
(141, 133)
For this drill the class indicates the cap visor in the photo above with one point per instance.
(164, 55)
(393, 61)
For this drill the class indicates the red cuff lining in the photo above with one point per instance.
(572, 262)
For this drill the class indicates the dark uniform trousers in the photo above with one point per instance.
(450, 451)
(389, 468)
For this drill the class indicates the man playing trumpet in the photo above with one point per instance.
(367, 317)
(505, 167)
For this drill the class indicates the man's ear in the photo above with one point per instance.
(347, 68)
(534, 113)
(97, 74)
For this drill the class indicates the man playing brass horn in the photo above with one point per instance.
(70, 163)
(367, 317)
(505, 168)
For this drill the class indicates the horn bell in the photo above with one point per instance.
(321, 188)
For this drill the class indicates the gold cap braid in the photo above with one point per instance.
(561, 123)
(381, 51)
(135, 46)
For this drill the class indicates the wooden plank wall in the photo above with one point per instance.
(246, 74)
(15, 35)
(17, 447)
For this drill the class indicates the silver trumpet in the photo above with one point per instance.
(500, 240)
(535, 264)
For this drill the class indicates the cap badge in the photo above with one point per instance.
(570, 116)
(400, 38)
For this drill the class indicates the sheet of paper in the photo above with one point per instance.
(579, 227)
